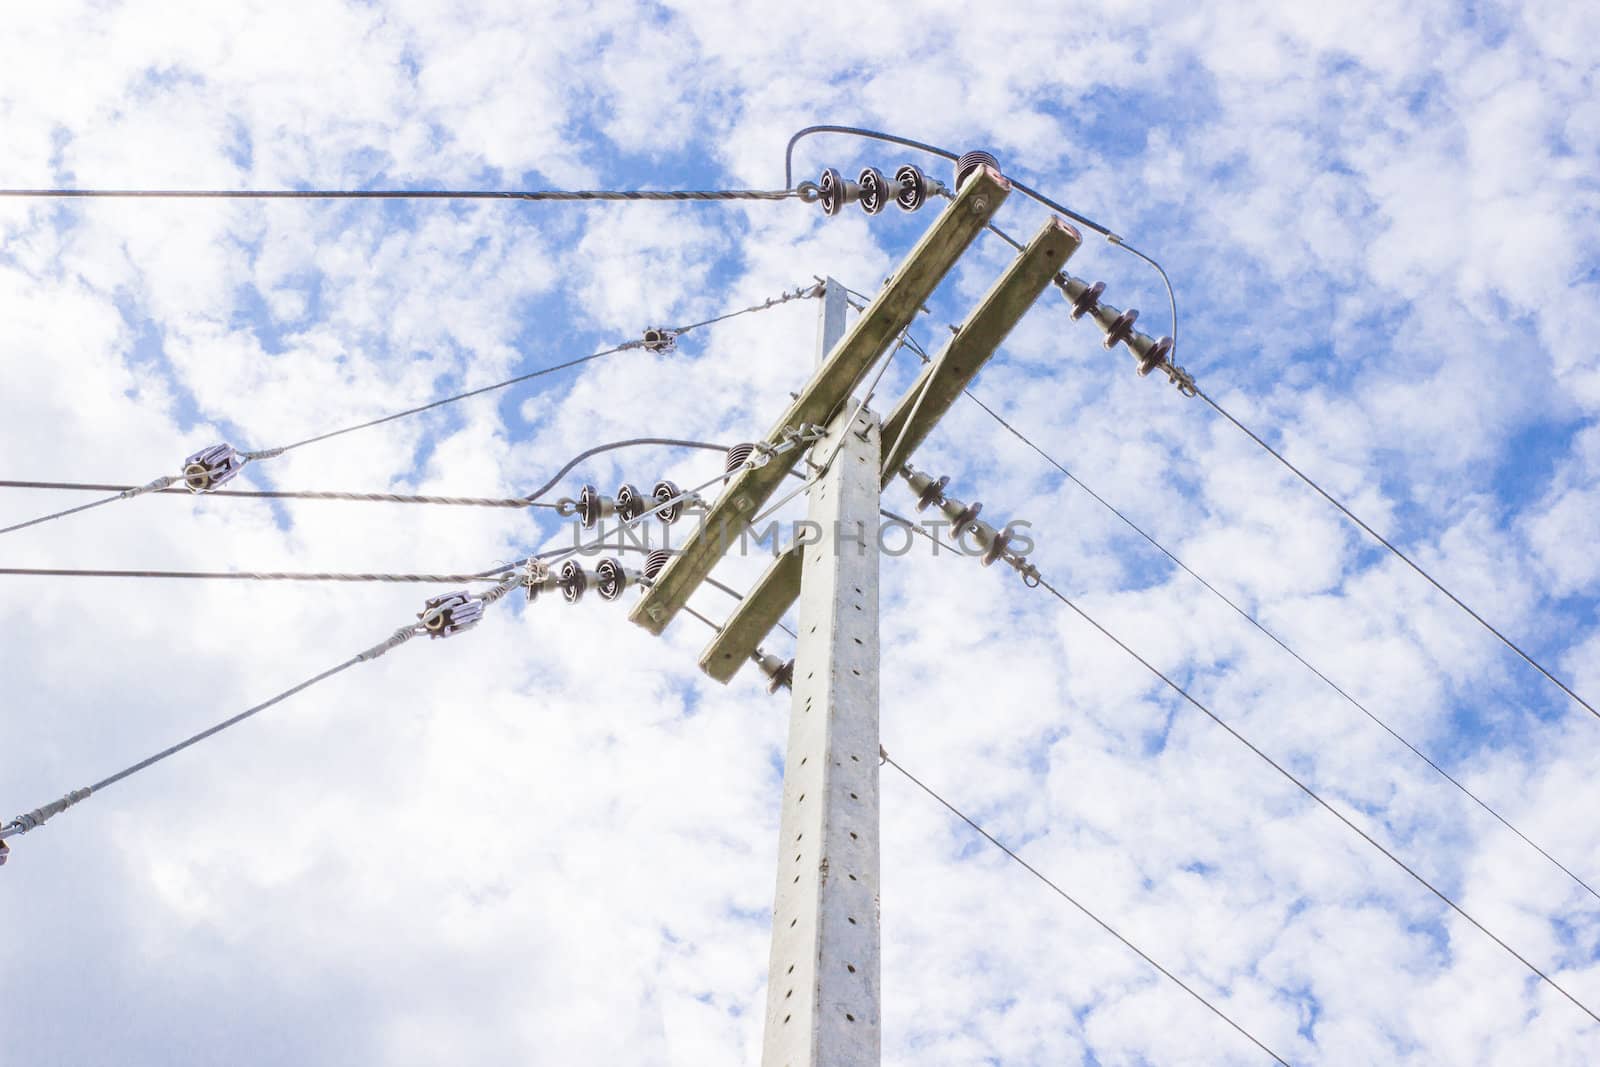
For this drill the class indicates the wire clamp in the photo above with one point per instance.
(537, 579)
(659, 339)
(210, 467)
(163, 482)
(39, 816)
(451, 613)
(1182, 379)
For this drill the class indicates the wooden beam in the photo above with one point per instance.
(906, 291)
(754, 618)
(952, 370)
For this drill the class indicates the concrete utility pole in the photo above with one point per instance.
(823, 1004)
(824, 1007)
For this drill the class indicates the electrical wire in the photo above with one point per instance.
(800, 293)
(610, 446)
(302, 494)
(1407, 560)
(32, 820)
(251, 576)
(1064, 895)
(1025, 190)
(1317, 797)
(1253, 621)
(1307, 790)
(557, 195)
(166, 481)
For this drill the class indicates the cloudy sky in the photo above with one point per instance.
(551, 840)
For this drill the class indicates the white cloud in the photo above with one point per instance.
(551, 837)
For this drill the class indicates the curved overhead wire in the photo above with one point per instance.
(1019, 186)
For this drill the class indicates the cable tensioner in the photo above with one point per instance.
(210, 467)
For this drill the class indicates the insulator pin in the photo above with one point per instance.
(1085, 297)
(210, 467)
(928, 489)
(1120, 328)
(594, 506)
(992, 541)
(970, 163)
(836, 192)
(573, 581)
(451, 613)
(959, 514)
(630, 503)
(876, 192)
(1149, 352)
(915, 187)
(779, 672)
(611, 578)
(666, 494)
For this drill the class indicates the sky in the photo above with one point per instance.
(551, 839)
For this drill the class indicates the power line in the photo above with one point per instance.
(1314, 795)
(1033, 194)
(31, 820)
(1041, 583)
(665, 337)
(557, 195)
(800, 293)
(37, 817)
(1253, 621)
(301, 494)
(1407, 560)
(1000, 845)
(251, 576)
(1064, 895)
(1025, 439)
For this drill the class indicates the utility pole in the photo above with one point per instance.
(824, 1006)
(823, 1003)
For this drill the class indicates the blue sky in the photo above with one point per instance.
(552, 839)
